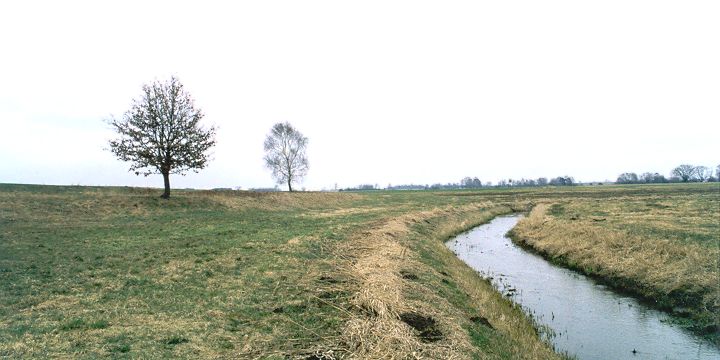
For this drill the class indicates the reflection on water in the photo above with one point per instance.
(584, 318)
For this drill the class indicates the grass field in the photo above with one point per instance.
(91, 272)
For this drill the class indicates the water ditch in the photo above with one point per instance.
(577, 315)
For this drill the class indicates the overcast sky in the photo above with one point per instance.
(386, 91)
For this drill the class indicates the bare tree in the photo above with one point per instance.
(470, 183)
(703, 173)
(627, 178)
(685, 172)
(285, 154)
(562, 181)
(649, 177)
(161, 134)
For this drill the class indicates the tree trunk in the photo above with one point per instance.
(166, 178)
(290, 185)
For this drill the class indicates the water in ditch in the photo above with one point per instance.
(585, 319)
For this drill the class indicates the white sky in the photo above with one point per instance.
(386, 91)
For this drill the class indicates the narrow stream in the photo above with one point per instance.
(587, 320)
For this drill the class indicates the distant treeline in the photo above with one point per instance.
(472, 183)
(682, 173)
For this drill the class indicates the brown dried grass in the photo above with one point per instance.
(378, 332)
(375, 331)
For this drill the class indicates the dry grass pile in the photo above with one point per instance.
(379, 332)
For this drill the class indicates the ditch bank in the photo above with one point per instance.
(413, 298)
(578, 316)
(630, 266)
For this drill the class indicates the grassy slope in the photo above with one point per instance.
(89, 272)
(660, 242)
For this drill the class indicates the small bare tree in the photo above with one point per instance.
(703, 173)
(161, 134)
(285, 154)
